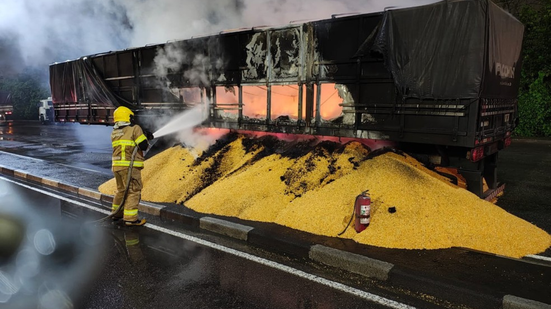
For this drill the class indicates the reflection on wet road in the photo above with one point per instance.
(48, 261)
(144, 268)
(64, 143)
(85, 265)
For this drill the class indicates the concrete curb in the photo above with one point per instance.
(513, 302)
(355, 263)
(223, 227)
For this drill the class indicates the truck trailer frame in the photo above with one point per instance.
(441, 80)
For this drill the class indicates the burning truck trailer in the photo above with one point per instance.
(441, 81)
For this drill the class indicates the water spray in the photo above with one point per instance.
(183, 121)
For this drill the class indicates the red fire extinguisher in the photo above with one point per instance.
(362, 211)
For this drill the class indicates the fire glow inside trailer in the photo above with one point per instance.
(442, 76)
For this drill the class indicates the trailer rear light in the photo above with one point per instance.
(476, 154)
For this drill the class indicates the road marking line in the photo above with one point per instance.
(49, 162)
(293, 271)
(539, 257)
(106, 212)
(83, 168)
(332, 284)
(20, 156)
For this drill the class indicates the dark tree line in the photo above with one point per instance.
(535, 95)
(26, 89)
(535, 92)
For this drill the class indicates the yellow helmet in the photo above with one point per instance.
(122, 114)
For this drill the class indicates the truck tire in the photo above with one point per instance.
(42, 119)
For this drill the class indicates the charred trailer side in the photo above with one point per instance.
(441, 80)
(80, 94)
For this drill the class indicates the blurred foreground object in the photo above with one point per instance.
(45, 262)
(11, 235)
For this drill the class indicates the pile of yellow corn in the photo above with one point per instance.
(315, 192)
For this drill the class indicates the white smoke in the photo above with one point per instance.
(199, 141)
(162, 20)
(168, 58)
(173, 55)
(49, 31)
(198, 72)
(38, 33)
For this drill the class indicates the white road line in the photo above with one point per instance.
(539, 257)
(20, 156)
(83, 168)
(293, 271)
(106, 212)
(49, 162)
(332, 284)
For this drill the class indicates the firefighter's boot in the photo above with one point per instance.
(138, 222)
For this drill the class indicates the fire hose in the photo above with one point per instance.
(351, 218)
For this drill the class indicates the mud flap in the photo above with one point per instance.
(492, 194)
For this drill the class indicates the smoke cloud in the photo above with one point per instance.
(36, 34)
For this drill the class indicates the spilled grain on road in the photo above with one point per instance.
(312, 187)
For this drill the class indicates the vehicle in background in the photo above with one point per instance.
(46, 111)
(440, 80)
(6, 107)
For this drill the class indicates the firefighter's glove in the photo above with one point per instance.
(148, 135)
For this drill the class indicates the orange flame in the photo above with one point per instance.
(284, 101)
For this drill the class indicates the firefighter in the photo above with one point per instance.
(129, 142)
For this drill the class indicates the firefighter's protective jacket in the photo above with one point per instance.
(124, 139)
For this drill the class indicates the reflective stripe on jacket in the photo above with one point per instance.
(124, 140)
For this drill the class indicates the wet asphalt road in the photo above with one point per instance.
(525, 168)
(85, 265)
(78, 145)
(162, 272)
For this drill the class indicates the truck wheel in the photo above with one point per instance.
(42, 119)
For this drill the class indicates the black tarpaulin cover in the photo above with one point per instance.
(65, 83)
(62, 83)
(450, 49)
(502, 75)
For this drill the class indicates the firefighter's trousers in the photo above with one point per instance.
(133, 196)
